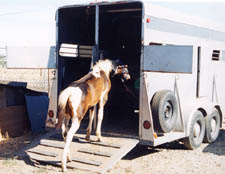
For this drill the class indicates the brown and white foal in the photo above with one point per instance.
(84, 94)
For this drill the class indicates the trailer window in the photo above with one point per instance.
(168, 58)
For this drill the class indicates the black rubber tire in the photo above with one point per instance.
(164, 110)
(211, 135)
(192, 142)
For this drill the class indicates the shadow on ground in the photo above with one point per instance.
(141, 150)
(218, 147)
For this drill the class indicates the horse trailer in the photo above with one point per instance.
(176, 62)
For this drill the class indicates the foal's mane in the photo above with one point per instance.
(102, 65)
(105, 65)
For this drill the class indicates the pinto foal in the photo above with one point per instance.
(84, 94)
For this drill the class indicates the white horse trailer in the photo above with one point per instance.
(177, 64)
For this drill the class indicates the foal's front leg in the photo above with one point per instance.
(100, 117)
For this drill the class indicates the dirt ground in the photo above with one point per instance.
(170, 158)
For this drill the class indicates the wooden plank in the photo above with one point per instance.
(71, 165)
(9, 112)
(83, 140)
(101, 143)
(89, 155)
(59, 137)
(2, 97)
(50, 144)
(85, 161)
(13, 120)
(40, 152)
(98, 153)
(127, 147)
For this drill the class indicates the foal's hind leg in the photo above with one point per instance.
(75, 125)
(65, 127)
(89, 128)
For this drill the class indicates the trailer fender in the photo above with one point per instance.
(203, 106)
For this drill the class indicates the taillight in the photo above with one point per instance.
(146, 124)
(148, 20)
(51, 113)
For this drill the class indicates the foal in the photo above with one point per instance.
(84, 94)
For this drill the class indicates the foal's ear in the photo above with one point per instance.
(118, 62)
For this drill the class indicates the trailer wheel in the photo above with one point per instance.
(196, 131)
(212, 126)
(164, 110)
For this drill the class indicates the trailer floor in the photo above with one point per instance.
(93, 156)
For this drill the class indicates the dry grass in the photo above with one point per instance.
(9, 162)
(3, 137)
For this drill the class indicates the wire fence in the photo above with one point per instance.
(36, 79)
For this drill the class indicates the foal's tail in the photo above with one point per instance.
(62, 102)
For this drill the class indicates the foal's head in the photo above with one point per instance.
(121, 70)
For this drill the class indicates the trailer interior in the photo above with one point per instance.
(120, 30)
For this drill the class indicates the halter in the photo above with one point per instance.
(123, 70)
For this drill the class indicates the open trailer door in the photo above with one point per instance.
(162, 65)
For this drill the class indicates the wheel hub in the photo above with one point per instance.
(213, 125)
(197, 130)
(168, 111)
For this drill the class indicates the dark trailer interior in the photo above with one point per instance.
(119, 35)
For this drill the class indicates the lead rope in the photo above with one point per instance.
(127, 89)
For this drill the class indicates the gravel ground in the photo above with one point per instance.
(170, 158)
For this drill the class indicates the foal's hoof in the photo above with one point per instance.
(69, 159)
(87, 138)
(100, 139)
(64, 169)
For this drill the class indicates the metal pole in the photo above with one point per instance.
(96, 47)
(96, 52)
(198, 71)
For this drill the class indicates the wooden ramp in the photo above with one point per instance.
(93, 156)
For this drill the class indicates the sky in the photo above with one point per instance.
(211, 10)
(32, 22)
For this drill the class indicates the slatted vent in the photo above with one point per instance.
(216, 55)
(72, 50)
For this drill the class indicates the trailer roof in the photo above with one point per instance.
(165, 13)
(171, 14)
